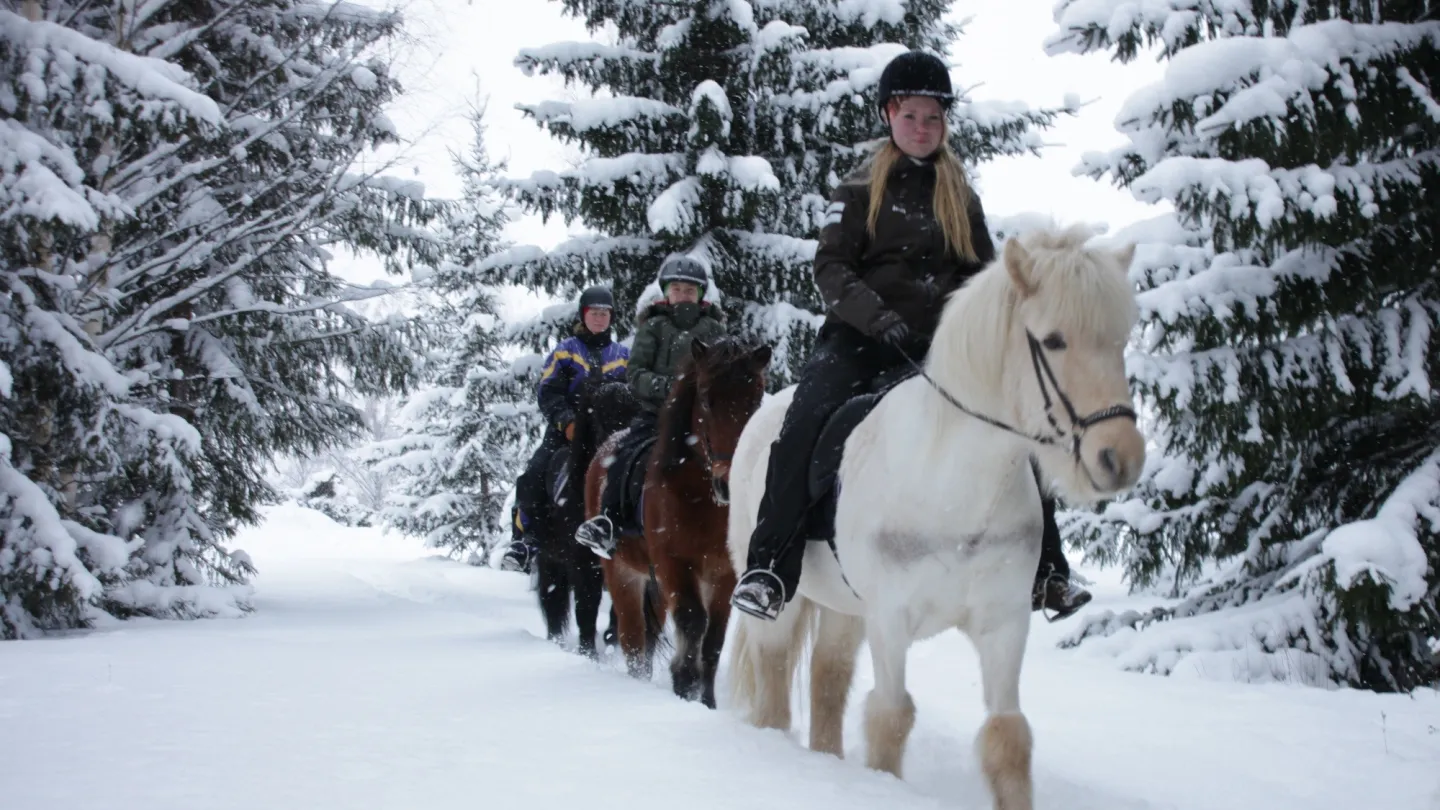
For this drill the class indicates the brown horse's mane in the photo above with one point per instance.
(730, 357)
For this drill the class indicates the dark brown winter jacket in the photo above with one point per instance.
(905, 272)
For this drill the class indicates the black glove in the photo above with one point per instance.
(893, 335)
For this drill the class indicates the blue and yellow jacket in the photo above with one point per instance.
(567, 367)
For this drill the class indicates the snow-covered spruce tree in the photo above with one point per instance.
(68, 417)
(466, 433)
(235, 300)
(206, 282)
(1289, 343)
(720, 128)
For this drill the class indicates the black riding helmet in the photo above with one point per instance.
(679, 267)
(597, 296)
(915, 73)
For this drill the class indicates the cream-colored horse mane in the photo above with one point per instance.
(1046, 276)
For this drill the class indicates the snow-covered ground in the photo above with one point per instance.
(375, 676)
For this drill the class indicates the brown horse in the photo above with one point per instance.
(685, 513)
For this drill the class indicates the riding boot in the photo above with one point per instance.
(1053, 590)
(764, 590)
(760, 593)
(600, 534)
(521, 555)
(1058, 594)
(843, 364)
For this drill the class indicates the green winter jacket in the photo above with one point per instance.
(662, 340)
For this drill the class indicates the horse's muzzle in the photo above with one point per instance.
(1115, 457)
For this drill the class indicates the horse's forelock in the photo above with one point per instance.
(1071, 238)
(1082, 290)
(726, 365)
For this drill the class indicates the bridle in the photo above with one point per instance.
(710, 455)
(1045, 378)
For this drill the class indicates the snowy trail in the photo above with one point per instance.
(371, 677)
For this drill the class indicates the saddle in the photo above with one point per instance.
(824, 467)
(630, 463)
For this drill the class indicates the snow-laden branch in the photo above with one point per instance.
(566, 53)
(151, 78)
(287, 222)
(1271, 72)
(1090, 25)
(598, 113)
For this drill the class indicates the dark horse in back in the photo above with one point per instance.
(685, 510)
(564, 567)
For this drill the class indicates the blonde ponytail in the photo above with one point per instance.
(880, 163)
(952, 204)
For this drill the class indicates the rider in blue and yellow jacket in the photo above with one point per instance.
(590, 349)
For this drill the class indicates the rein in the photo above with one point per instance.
(709, 450)
(1043, 375)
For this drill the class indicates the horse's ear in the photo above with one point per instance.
(1125, 256)
(760, 357)
(698, 348)
(1021, 266)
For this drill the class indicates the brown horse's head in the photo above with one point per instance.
(718, 388)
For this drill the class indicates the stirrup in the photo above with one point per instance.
(516, 558)
(1071, 607)
(742, 600)
(589, 535)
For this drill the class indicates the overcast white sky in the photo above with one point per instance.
(462, 48)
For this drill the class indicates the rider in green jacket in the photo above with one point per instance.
(667, 328)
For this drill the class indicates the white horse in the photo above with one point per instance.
(938, 522)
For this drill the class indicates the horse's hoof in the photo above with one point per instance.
(687, 686)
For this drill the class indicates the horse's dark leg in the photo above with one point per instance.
(588, 582)
(719, 619)
(612, 633)
(689, 613)
(554, 594)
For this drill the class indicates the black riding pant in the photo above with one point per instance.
(843, 364)
(1052, 552)
(612, 502)
(530, 493)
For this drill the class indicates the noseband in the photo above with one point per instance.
(1045, 378)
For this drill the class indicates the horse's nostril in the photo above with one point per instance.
(1108, 462)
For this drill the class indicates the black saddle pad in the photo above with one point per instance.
(825, 458)
(557, 474)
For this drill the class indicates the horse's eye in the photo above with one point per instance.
(1053, 341)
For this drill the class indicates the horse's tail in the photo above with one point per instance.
(774, 648)
(654, 617)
